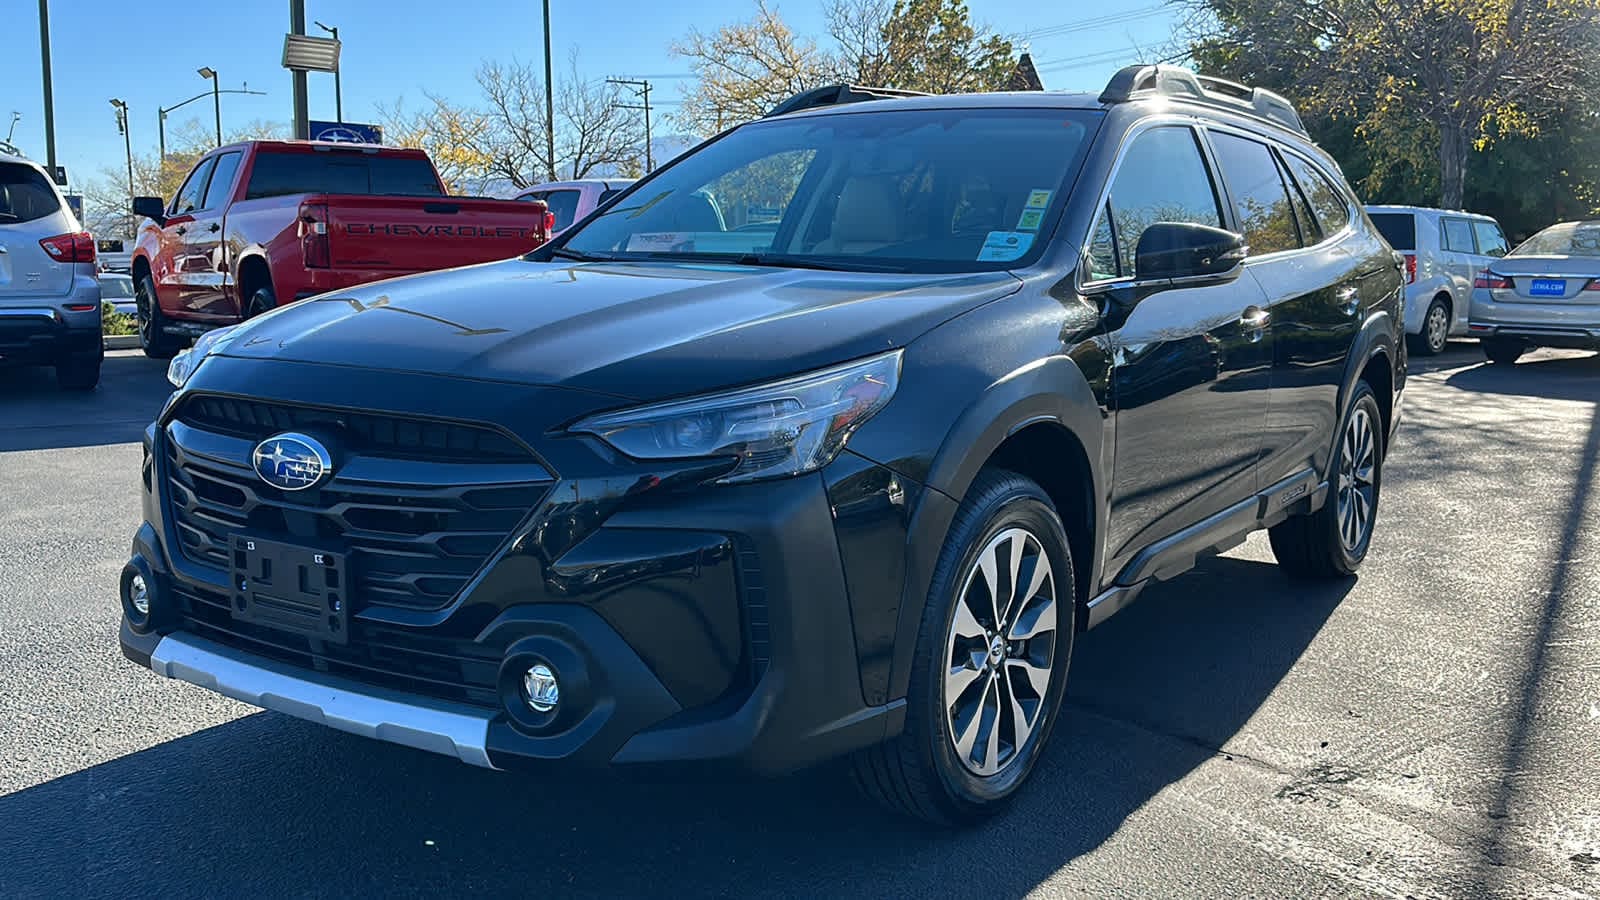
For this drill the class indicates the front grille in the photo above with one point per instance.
(412, 546)
(362, 433)
(450, 670)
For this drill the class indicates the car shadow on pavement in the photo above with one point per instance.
(36, 414)
(1563, 377)
(269, 805)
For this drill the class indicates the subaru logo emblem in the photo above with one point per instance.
(291, 462)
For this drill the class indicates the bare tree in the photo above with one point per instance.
(744, 69)
(595, 129)
(458, 138)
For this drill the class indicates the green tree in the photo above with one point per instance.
(1461, 74)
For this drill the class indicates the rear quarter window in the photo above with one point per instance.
(25, 195)
(1399, 229)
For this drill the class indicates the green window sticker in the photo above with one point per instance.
(1030, 220)
(1004, 246)
(1039, 199)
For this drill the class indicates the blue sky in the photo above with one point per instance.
(103, 48)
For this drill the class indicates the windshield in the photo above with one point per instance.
(948, 190)
(1566, 239)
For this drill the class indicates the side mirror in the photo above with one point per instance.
(1181, 250)
(151, 208)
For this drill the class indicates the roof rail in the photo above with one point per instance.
(1179, 83)
(835, 94)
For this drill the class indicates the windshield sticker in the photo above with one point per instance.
(1004, 246)
(1038, 199)
(1030, 220)
(661, 242)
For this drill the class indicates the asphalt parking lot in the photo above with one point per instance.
(1431, 728)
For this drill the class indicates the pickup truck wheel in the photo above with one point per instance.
(155, 342)
(1435, 333)
(78, 375)
(1503, 351)
(1332, 542)
(263, 300)
(991, 660)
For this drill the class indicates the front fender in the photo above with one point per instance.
(1378, 335)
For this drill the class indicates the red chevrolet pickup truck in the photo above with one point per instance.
(262, 223)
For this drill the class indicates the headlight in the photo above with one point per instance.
(183, 365)
(785, 428)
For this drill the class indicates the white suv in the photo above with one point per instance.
(49, 295)
(1445, 250)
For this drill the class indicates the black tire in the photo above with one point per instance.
(78, 374)
(153, 339)
(1316, 546)
(263, 300)
(919, 773)
(1503, 351)
(1432, 340)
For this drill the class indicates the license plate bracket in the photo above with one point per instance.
(291, 588)
(1548, 287)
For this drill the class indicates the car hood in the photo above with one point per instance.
(639, 330)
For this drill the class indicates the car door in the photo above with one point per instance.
(1190, 364)
(204, 245)
(1458, 248)
(174, 267)
(1313, 290)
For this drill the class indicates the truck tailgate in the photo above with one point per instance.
(413, 234)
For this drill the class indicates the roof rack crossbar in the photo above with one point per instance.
(1182, 84)
(835, 94)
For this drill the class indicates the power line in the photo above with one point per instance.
(641, 86)
(1105, 21)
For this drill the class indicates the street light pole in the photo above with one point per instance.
(216, 97)
(302, 112)
(549, 97)
(338, 90)
(49, 98)
(162, 120)
(127, 143)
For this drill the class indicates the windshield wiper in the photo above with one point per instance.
(580, 256)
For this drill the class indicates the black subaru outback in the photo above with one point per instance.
(824, 440)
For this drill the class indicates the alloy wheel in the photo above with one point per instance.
(1358, 490)
(1438, 328)
(1000, 652)
(144, 319)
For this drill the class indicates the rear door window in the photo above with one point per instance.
(1399, 229)
(1491, 241)
(1162, 178)
(1259, 198)
(1327, 202)
(25, 195)
(1457, 236)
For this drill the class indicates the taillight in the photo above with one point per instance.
(549, 223)
(1411, 268)
(1490, 281)
(77, 247)
(314, 235)
(1593, 285)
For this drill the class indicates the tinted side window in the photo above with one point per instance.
(339, 172)
(1162, 178)
(222, 180)
(192, 194)
(563, 205)
(1491, 242)
(1399, 229)
(1327, 201)
(25, 195)
(1311, 231)
(1458, 236)
(1259, 198)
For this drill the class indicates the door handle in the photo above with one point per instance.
(182, 230)
(1254, 321)
(214, 227)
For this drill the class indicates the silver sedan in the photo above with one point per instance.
(1545, 293)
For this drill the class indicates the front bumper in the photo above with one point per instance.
(687, 624)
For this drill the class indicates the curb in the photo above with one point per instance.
(122, 342)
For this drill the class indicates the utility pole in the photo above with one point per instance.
(549, 97)
(127, 143)
(302, 111)
(49, 97)
(642, 88)
(338, 90)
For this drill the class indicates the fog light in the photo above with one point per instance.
(139, 595)
(539, 688)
